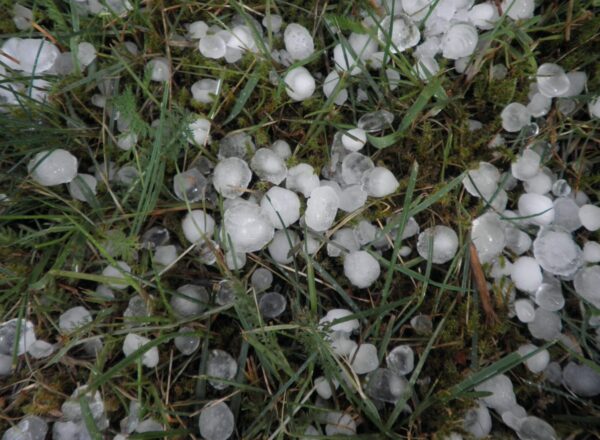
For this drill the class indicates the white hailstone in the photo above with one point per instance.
(273, 22)
(546, 325)
(352, 197)
(205, 90)
(220, 366)
(541, 183)
(341, 344)
(197, 30)
(379, 182)
(324, 387)
(5, 365)
(117, 274)
(515, 116)
(345, 325)
(526, 274)
(83, 187)
(525, 310)
(235, 260)
(86, 53)
(268, 166)
(484, 15)
(488, 236)
(281, 245)
(586, 284)
(549, 295)
(165, 255)
(299, 84)
(160, 71)
(428, 48)
(577, 83)
(552, 81)
(40, 349)
(311, 244)
(503, 397)
(539, 105)
(247, 228)
(354, 166)
(298, 41)
(49, 168)
(126, 141)
(365, 232)
(216, 421)
(361, 269)
(393, 78)
(416, 9)
(200, 131)
(580, 198)
(212, 46)
(556, 251)
(30, 427)
(149, 425)
(238, 145)
(482, 181)
(302, 178)
(401, 359)
(344, 240)
(534, 428)
(591, 252)
(518, 9)
(536, 363)
(197, 226)
(74, 318)
(364, 359)
(282, 149)
(321, 208)
(261, 279)
(330, 83)
(29, 55)
(399, 33)
(536, 209)
(527, 165)
(281, 206)
(594, 107)
(8, 334)
(460, 41)
(426, 67)
(363, 45)
(231, 177)
(444, 246)
(478, 422)
(581, 379)
(354, 139)
(345, 60)
(22, 19)
(589, 215)
(242, 39)
(133, 342)
(338, 424)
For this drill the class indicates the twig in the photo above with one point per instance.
(484, 293)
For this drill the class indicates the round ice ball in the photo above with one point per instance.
(354, 139)
(589, 215)
(247, 228)
(399, 32)
(281, 206)
(518, 9)
(460, 41)
(83, 187)
(216, 421)
(536, 208)
(198, 226)
(526, 274)
(300, 84)
(444, 246)
(204, 90)
(514, 117)
(231, 177)
(321, 208)
(361, 268)
(49, 168)
(379, 182)
(212, 46)
(298, 41)
(116, 274)
(552, 81)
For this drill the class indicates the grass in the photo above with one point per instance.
(53, 248)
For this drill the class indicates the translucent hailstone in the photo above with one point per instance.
(281, 206)
(321, 208)
(190, 186)
(386, 385)
(133, 342)
(83, 187)
(546, 325)
(591, 252)
(8, 334)
(539, 105)
(345, 324)
(212, 46)
(549, 295)
(271, 305)
(515, 117)
(354, 139)
(586, 284)
(352, 197)
(518, 9)
(338, 424)
(29, 428)
(525, 310)
(127, 175)
(116, 274)
(526, 274)
(541, 183)
(552, 81)
(49, 168)
(581, 379)
(444, 245)
(344, 240)
(482, 181)
(341, 344)
(235, 260)
(200, 131)
(354, 166)
(241, 39)
(426, 67)
(364, 358)
(379, 182)
(282, 149)
(460, 41)
(159, 69)
(220, 367)
(484, 15)
(556, 251)
(74, 318)
(29, 55)
(302, 178)
(502, 397)
(325, 388)
(298, 41)
(537, 362)
(136, 308)
(401, 359)
(361, 269)
(566, 214)
(280, 248)
(189, 300)
(487, 234)
(589, 215)
(22, 17)
(536, 209)
(197, 30)
(268, 166)
(376, 121)
(197, 226)
(247, 228)
(231, 177)
(186, 343)
(205, 90)
(261, 279)
(238, 145)
(216, 421)
(534, 428)
(478, 421)
(594, 107)
(299, 84)
(399, 32)
(273, 22)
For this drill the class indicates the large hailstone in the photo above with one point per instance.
(231, 177)
(399, 32)
(515, 116)
(205, 90)
(321, 208)
(460, 41)
(552, 81)
(133, 342)
(361, 268)
(330, 83)
(536, 208)
(281, 206)
(299, 84)
(198, 226)
(526, 274)
(29, 55)
(345, 60)
(379, 182)
(216, 421)
(298, 41)
(518, 9)
(487, 234)
(49, 168)
(268, 166)
(117, 274)
(247, 227)
(444, 246)
(586, 284)
(556, 251)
